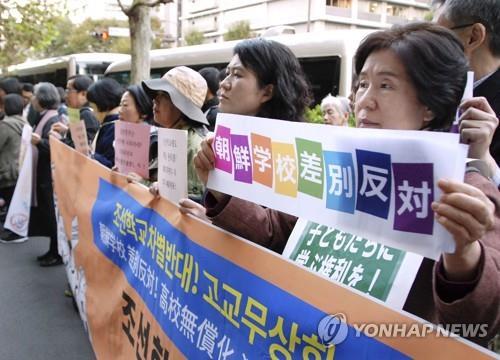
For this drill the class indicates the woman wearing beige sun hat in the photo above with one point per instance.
(177, 100)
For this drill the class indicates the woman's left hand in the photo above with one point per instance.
(467, 213)
(478, 123)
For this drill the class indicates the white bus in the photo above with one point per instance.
(326, 58)
(57, 69)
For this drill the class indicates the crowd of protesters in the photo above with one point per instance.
(410, 77)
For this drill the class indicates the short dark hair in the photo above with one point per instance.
(143, 102)
(47, 95)
(13, 104)
(10, 85)
(106, 94)
(274, 63)
(486, 12)
(81, 82)
(434, 60)
(211, 76)
(28, 87)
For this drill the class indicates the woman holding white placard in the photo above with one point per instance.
(411, 78)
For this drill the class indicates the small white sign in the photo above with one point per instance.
(172, 164)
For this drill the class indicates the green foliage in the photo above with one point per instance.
(194, 37)
(26, 28)
(40, 35)
(73, 39)
(239, 30)
(351, 122)
(314, 115)
(429, 16)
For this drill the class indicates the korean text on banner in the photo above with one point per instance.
(377, 184)
(162, 285)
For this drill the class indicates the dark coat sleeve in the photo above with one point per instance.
(478, 301)
(267, 227)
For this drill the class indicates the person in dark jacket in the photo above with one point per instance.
(211, 104)
(104, 98)
(11, 129)
(477, 25)
(45, 101)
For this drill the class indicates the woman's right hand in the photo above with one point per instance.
(188, 206)
(205, 159)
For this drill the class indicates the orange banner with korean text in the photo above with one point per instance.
(162, 285)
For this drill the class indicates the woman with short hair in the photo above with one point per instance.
(104, 98)
(45, 101)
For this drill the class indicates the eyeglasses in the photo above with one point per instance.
(70, 90)
(461, 26)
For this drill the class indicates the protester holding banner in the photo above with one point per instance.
(263, 79)
(104, 97)
(11, 128)
(420, 67)
(177, 100)
(42, 217)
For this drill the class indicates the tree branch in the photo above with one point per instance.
(136, 4)
(124, 9)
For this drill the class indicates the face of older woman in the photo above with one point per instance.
(386, 97)
(332, 115)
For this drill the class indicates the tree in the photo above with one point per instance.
(194, 37)
(139, 20)
(72, 39)
(239, 30)
(25, 29)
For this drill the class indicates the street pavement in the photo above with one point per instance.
(36, 320)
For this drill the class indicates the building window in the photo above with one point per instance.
(374, 7)
(393, 10)
(339, 3)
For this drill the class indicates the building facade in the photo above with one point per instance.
(214, 17)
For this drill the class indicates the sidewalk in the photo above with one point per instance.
(36, 320)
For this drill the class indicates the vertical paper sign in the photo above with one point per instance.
(73, 115)
(242, 161)
(262, 160)
(310, 156)
(374, 183)
(79, 136)
(469, 87)
(18, 215)
(285, 169)
(172, 164)
(414, 191)
(132, 148)
(222, 149)
(340, 181)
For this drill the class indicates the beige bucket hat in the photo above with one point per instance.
(187, 90)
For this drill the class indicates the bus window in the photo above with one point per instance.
(323, 75)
